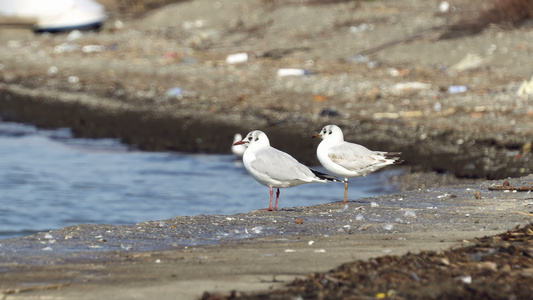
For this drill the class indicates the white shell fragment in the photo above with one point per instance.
(237, 58)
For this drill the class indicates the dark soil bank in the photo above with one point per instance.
(474, 158)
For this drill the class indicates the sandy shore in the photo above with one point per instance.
(257, 265)
(187, 256)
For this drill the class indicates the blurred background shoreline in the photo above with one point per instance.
(158, 76)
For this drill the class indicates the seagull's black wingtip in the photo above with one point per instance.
(326, 176)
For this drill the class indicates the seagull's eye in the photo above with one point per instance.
(257, 139)
(249, 138)
(330, 132)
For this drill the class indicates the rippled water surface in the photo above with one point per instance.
(49, 180)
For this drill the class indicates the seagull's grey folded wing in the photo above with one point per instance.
(352, 157)
(281, 166)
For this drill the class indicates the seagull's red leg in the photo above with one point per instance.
(270, 206)
(277, 198)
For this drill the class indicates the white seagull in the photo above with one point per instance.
(274, 168)
(349, 160)
(238, 150)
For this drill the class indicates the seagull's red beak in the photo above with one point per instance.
(318, 135)
(239, 143)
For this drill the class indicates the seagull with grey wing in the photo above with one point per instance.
(348, 160)
(275, 168)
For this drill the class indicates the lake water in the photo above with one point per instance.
(49, 180)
